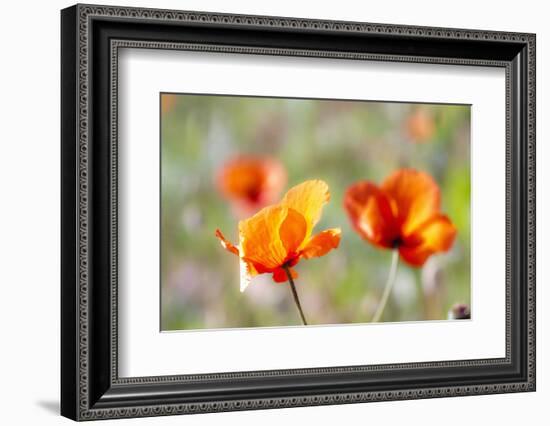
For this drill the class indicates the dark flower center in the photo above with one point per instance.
(398, 241)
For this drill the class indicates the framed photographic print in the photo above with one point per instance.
(263, 212)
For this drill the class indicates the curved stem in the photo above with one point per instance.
(295, 294)
(388, 288)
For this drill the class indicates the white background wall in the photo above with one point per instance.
(29, 212)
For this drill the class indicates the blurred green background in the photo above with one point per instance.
(337, 141)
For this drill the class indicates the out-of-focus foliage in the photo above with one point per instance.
(337, 141)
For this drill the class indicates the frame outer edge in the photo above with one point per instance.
(69, 282)
(531, 200)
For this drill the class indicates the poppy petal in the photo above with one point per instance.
(308, 199)
(279, 275)
(226, 244)
(247, 271)
(260, 241)
(414, 197)
(436, 235)
(293, 231)
(322, 243)
(370, 213)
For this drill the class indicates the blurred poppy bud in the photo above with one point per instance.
(459, 311)
(167, 102)
(420, 126)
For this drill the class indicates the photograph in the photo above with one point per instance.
(292, 212)
(267, 209)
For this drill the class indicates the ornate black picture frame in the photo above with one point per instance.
(91, 36)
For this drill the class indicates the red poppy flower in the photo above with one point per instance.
(277, 237)
(402, 213)
(251, 182)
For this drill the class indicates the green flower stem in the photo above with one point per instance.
(389, 285)
(295, 294)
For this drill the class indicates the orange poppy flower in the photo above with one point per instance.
(402, 213)
(277, 237)
(251, 182)
(420, 126)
